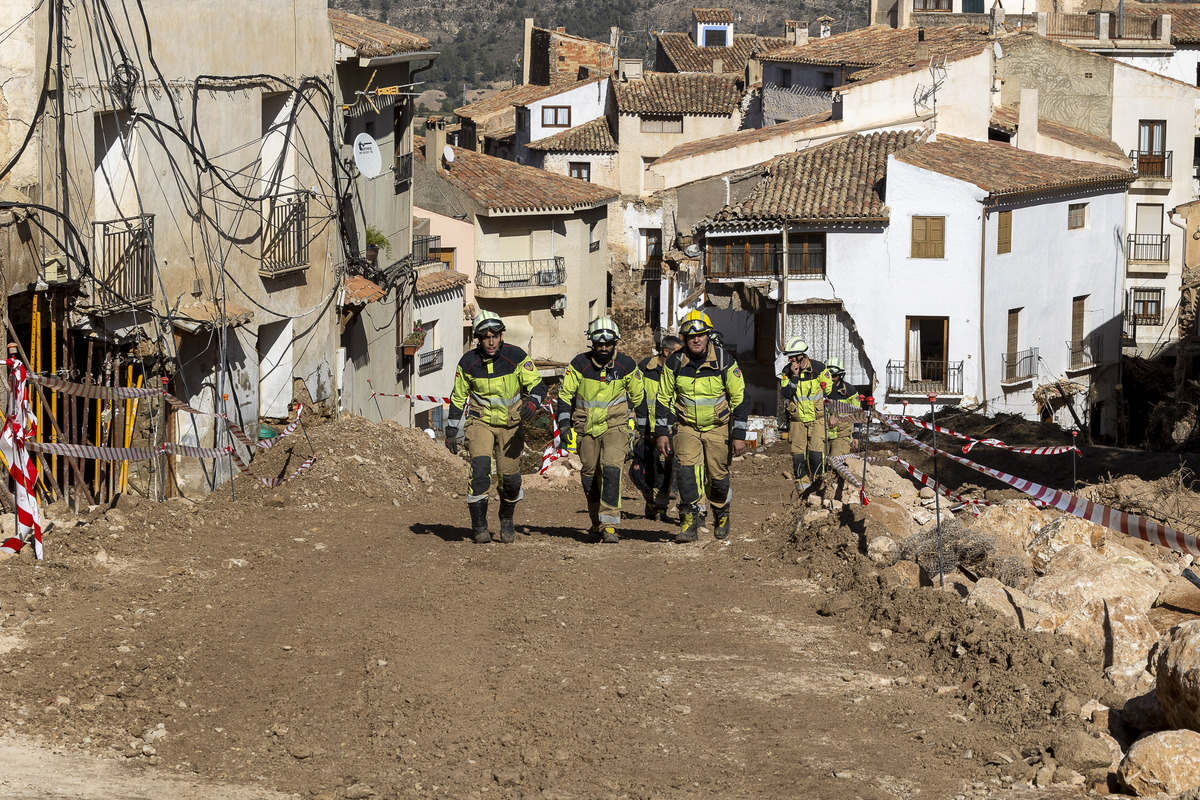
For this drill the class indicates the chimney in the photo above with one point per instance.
(525, 52)
(718, 66)
(561, 29)
(614, 38)
(754, 71)
(795, 32)
(1027, 120)
(922, 52)
(435, 142)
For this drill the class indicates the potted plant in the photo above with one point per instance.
(412, 343)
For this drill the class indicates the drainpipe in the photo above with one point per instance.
(982, 292)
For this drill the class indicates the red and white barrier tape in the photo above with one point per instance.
(427, 398)
(554, 451)
(1029, 451)
(21, 426)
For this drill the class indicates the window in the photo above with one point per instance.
(828, 81)
(1147, 306)
(556, 116)
(581, 170)
(1152, 156)
(715, 37)
(522, 117)
(652, 247)
(1014, 324)
(1076, 216)
(1004, 232)
(928, 237)
(785, 78)
(671, 124)
(1078, 309)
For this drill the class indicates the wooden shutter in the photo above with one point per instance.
(1077, 305)
(937, 237)
(1004, 232)
(919, 235)
(1014, 318)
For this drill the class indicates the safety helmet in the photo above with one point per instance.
(603, 330)
(696, 322)
(834, 365)
(486, 321)
(795, 347)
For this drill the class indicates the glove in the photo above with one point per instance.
(528, 409)
(452, 445)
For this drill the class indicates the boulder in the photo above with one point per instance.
(1016, 521)
(1162, 762)
(902, 573)
(1060, 533)
(1078, 574)
(883, 550)
(1176, 665)
(1130, 680)
(1125, 557)
(1077, 750)
(1143, 714)
(893, 517)
(1115, 628)
(1020, 610)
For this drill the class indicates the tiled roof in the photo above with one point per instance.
(370, 38)
(716, 144)
(687, 56)
(879, 46)
(440, 281)
(1000, 169)
(839, 180)
(514, 96)
(1005, 118)
(207, 314)
(679, 93)
(1185, 19)
(507, 186)
(360, 291)
(590, 137)
(712, 14)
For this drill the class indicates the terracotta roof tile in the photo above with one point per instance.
(507, 186)
(679, 93)
(514, 96)
(360, 291)
(370, 38)
(839, 180)
(440, 281)
(590, 137)
(1005, 118)
(1185, 19)
(686, 56)
(878, 46)
(712, 14)
(1000, 169)
(716, 144)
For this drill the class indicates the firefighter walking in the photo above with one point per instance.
(800, 385)
(600, 390)
(839, 430)
(701, 412)
(504, 391)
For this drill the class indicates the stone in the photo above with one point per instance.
(1078, 574)
(1014, 606)
(1175, 661)
(1115, 628)
(1144, 714)
(926, 493)
(574, 462)
(1123, 556)
(1130, 680)
(894, 518)
(1060, 533)
(955, 583)
(1077, 750)
(359, 791)
(1168, 761)
(1015, 521)
(922, 516)
(423, 474)
(883, 550)
(508, 778)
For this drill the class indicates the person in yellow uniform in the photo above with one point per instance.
(839, 429)
(800, 385)
(658, 471)
(504, 391)
(598, 393)
(701, 412)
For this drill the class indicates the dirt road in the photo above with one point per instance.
(341, 638)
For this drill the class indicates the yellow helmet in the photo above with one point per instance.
(795, 347)
(696, 322)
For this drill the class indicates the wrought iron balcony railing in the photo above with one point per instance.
(925, 377)
(529, 274)
(1084, 353)
(125, 264)
(1149, 247)
(1152, 163)
(1019, 366)
(756, 260)
(430, 362)
(422, 246)
(285, 234)
(402, 171)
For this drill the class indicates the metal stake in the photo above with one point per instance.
(376, 399)
(869, 402)
(937, 505)
(1074, 452)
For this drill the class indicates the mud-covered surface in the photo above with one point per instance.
(339, 636)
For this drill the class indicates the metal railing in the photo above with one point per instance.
(431, 361)
(125, 267)
(742, 260)
(421, 247)
(933, 5)
(1149, 247)
(808, 263)
(285, 235)
(402, 171)
(925, 377)
(532, 273)
(1084, 353)
(652, 270)
(1019, 366)
(1135, 27)
(1151, 163)
(1071, 26)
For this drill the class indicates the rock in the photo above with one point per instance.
(1130, 680)
(926, 493)
(1144, 714)
(1076, 750)
(838, 604)
(895, 519)
(956, 583)
(1115, 628)
(1124, 557)
(508, 778)
(1060, 533)
(1176, 665)
(902, 573)
(126, 502)
(359, 791)
(574, 462)
(921, 516)
(274, 501)
(1019, 609)
(101, 557)
(423, 474)
(1162, 762)
(1079, 574)
(883, 550)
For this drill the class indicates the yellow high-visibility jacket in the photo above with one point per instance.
(843, 393)
(594, 397)
(495, 387)
(802, 393)
(702, 393)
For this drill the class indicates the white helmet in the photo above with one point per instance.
(795, 347)
(603, 330)
(835, 366)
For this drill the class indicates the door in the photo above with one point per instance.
(1152, 148)
(1148, 239)
(927, 341)
(274, 369)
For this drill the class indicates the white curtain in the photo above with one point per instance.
(914, 353)
(827, 330)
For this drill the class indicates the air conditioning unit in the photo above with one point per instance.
(560, 304)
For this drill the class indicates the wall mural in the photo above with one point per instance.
(1074, 88)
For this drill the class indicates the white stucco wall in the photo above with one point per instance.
(1180, 65)
(587, 102)
(604, 166)
(445, 309)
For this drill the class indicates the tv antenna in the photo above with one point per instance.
(926, 96)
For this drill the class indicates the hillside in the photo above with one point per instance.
(480, 40)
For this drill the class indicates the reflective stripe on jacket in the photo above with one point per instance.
(802, 393)
(594, 398)
(702, 393)
(494, 386)
(651, 375)
(843, 393)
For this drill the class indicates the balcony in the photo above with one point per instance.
(1150, 247)
(1151, 164)
(124, 265)
(1019, 367)
(652, 270)
(532, 277)
(764, 261)
(1083, 354)
(285, 234)
(422, 246)
(922, 378)
(430, 362)
(402, 171)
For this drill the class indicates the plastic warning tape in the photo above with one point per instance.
(270, 482)
(845, 411)
(94, 453)
(427, 398)
(838, 463)
(19, 428)
(554, 451)
(1029, 451)
(94, 391)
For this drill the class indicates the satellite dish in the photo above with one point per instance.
(448, 154)
(366, 155)
(692, 251)
(996, 48)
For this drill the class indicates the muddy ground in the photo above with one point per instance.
(340, 637)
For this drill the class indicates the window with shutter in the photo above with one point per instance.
(1004, 232)
(928, 237)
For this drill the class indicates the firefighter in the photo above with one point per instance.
(839, 430)
(701, 413)
(800, 385)
(599, 392)
(658, 471)
(505, 391)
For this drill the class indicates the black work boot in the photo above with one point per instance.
(594, 516)
(479, 521)
(608, 534)
(689, 524)
(721, 519)
(508, 532)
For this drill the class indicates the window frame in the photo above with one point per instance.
(936, 249)
(584, 168)
(1147, 297)
(1004, 232)
(556, 112)
(1076, 216)
(658, 123)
